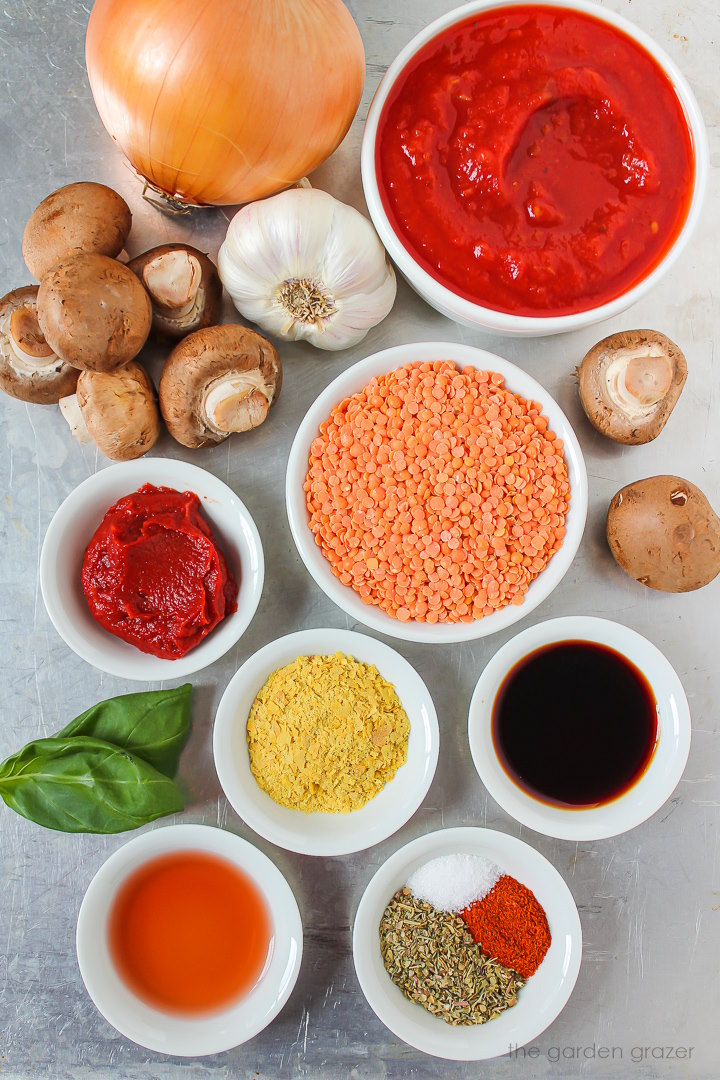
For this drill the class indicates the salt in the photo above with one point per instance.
(453, 882)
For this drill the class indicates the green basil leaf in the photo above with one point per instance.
(82, 784)
(153, 725)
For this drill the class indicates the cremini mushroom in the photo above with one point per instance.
(217, 381)
(117, 411)
(94, 312)
(84, 217)
(184, 288)
(663, 532)
(630, 383)
(29, 369)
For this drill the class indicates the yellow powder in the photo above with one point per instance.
(326, 733)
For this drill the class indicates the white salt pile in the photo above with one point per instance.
(453, 882)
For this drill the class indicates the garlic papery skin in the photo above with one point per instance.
(637, 379)
(70, 409)
(237, 402)
(306, 267)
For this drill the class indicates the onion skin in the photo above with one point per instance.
(224, 101)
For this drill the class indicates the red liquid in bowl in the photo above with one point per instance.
(535, 160)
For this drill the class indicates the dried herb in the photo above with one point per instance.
(432, 958)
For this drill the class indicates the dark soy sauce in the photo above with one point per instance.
(575, 724)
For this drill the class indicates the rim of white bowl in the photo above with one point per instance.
(338, 834)
(451, 303)
(655, 785)
(410, 1022)
(188, 1036)
(354, 379)
(243, 550)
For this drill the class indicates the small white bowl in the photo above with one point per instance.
(68, 536)
(321, 833)
(542, 998)
(355, 379)
(188, 1036)
(456, 307)
(656, 784)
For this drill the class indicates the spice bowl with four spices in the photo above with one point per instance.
(71, 529)
(579, 728)
(431, 473)
(326, 741)
(417, 918)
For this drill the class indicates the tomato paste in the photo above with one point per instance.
(535, 160)
(154, 575)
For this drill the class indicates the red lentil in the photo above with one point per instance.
(437, 494)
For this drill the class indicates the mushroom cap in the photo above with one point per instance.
(663, 532)
(94, 312)
(203, 358)
(208, 302)
(83, 217)
(648, 420)
(120, 411)
(42, 387)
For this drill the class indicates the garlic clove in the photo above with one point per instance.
(173, 281)
(70, 409)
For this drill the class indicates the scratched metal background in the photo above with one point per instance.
(649, 900)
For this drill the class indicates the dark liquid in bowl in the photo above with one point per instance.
(575, 724)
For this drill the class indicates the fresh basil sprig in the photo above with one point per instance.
(108, 771)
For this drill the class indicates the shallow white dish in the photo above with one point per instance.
(71, 529)
(456, 307)
(181, 1035)
(654, 787)
(540, 1000)
(354, 380)
(319, 833)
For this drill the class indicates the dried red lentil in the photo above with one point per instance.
(437, 494)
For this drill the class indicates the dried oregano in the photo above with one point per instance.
(431, 956)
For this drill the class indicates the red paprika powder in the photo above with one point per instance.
(510, 925)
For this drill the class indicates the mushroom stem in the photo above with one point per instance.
(237, 402)
(72, 412)
(637, 379)
(173, 281)
(27, 342)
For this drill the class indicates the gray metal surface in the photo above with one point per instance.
(649, 901)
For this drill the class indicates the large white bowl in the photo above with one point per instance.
(353, 380)
(320, 833)
(654, 787)
(188, 1036)
(456, 307)
(68, 536)
(542, 998)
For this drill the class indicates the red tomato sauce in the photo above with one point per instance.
(190, 932)
(154, 575)
(535, 160)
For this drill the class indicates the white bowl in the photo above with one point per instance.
(71, 529)
(321, 833)
(456, 307)
(182, 1035)
(542, 998)
(356, 378)
(656, 784)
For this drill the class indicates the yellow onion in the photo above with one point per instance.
(224, 101)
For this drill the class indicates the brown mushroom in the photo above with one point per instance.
(29, 369)
(217, 381)
(85, 217)
(117, 411)
(184, 288)
(663, 532)
(630, 383)
(94, 312)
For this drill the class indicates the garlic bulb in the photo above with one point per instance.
(306, 267)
